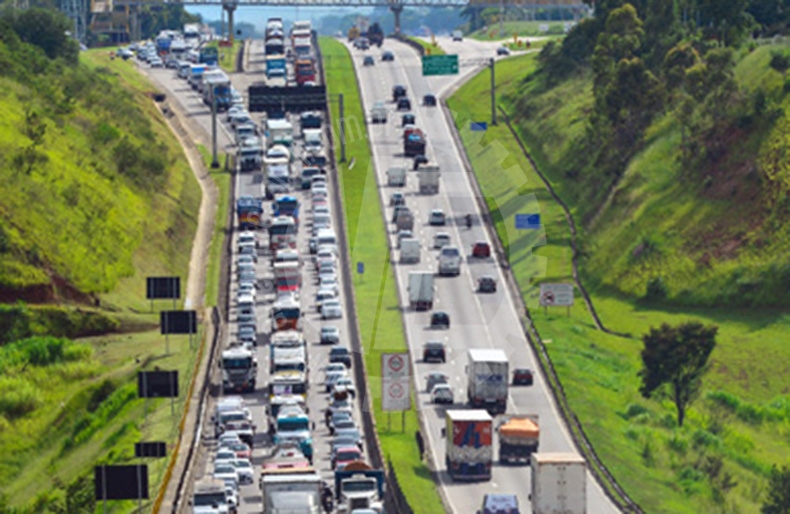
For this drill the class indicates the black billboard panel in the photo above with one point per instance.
(155, 449)
(178, 322)
(163, 288)
(157, 384)
(121, 482)
(270, 99)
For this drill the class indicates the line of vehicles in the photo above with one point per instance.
(291, 479)
(300, 50)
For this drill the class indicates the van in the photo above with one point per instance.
(449, 261)
(246, 309)
(245, 131)
(312, 139)
(183, 69)
(326, 237)
(458, 35)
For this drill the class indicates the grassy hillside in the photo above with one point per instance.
(97, 194)
(430, 48)
(718, 461)
(522, 28)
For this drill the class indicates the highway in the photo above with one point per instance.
(478, 320)
(250, 184)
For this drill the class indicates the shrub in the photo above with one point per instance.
(656, 289)
(704, 439)
(18, 397)
(678, 444)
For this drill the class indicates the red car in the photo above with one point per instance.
(481, 249)
(242, 450)
(344, 456)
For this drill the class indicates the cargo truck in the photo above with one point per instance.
(469, 452)
(559, 483)
(360, 487)
(239, 369)
(250, 212)
(275, 65)
(209, 55)
(410, 251)
(291, 491)
(428, 176)
(421, 290)
(396, 177)
(487, 380)
(519, 437)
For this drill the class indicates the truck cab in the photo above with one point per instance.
(210, 497)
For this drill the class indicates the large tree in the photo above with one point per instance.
(676, 358)
(778, 500)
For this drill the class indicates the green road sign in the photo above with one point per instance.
(439, 65)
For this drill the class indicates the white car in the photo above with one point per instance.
(332, 377)
(347, 384)
(246, 276)
(327, 271)
(224, 454)
(245, 471)
(331, 309)
(156, 62)
(324, 258)
(228, 438)
(247, 257)
(235, 110)
(246, 288)
(329, 283)
(233, 497)
(441, 240)
(226, 471)
(322, 296)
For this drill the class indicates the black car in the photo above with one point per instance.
(397, 199)
(419, 159)
(387, 56)
(398, 91)
(440, 319)
(310, 120)
(429, 100)
(403, 104)
(407, 119)
(434, 351)
(486, 284)
(340, 354)
(368, 61)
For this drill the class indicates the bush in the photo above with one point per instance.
(678, 444)
(656, 289)
(704, 439)
(18, 397)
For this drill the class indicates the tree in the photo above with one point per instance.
(46, 29)
(676, 357)
(778, 500)
(622, 39)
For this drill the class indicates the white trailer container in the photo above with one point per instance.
(487, 380)
(410, 250)
(396, 177)
(559, 483)
(428, 176)
(298, 493)
(421, 290)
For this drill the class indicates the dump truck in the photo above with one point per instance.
(428, 176)
(421, 290)
(359, 486)
(487, 379)
(559, 483)
(469, 451)
(396, 176)
(413, 142)
(518, 438)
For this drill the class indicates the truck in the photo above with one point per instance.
(294, 428)
(163, 42)
(191, 31)
(487, 379)
(281, 132)
(559, 483)
(217, 84)
(375, 35)
(250, 212)
(360, 487)
(303, 46)
(410, 251)
(352, 33)
(209, 497)
(305, 71)
(469, 451)
(275, 66)
(209, 55)
(519, 437)
(396, 176)
(195, 74)
(277, 178)
(421, 290)
(274, 46)
(239, 369)
(291, 491)
(413, 142)
(428, 177)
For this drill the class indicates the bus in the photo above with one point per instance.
(282, 233)
(286, 205)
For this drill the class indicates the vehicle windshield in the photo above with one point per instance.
(282, 229)
(289, 366)
(287, 389)
(209, 499)
(359, 486)
(233, 416)
(450, 252)
(287, 313)
(237, 363)
(347, 455)
(293, 425)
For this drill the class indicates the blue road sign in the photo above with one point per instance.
(479, 126)
(360, 267)
(527, 221)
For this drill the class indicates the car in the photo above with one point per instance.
(236, 109)
(327, 271)
(156, 62)
(440, 240)
(224, 454)
(387, 56)
(434, 351)
(436, 218)
(340, 354)
(368, 61)
(458, 35)
(503, 50)
(440, 319)
(434, 378)
(403, 104)
(172, 63)
(344, 456)
(429, 100)
(247, 289)
(346, 384)
(398, 91)
(125, 53)
(338, 417)
(343, 404)
(349, 433)
(481, 250)
(228, 438)
(245, 471)
(341, 424)
(241, 450)
(226, 472)
(324, 257)
(331, 377)
(486, 284)
(328, 282)
(499, 504)
(248, 334)
(246, 276)
(338, 442)
(397, 198)
(404, 234)
(442, 393)
(309, 83)
(522, 376)
(323, 296)
(330, 335)
(407, 119)
(233, 497)
(419, 159)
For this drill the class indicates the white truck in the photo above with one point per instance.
(281, 132)
(421, 290)
(292, 493)
(487, 380)
(209, 497)
(449, 261)
(410, 250)
(396, 176)
(359, 489)
(239, 368)
(428, 177)
(559, 483)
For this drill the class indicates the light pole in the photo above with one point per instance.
(493, 93)
(214, 160)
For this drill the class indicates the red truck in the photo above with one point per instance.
(413, 142)
(305, 71)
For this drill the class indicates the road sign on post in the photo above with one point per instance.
(395, 382)
(556, 295)
(439, 65)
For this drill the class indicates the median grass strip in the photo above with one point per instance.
(222, 180)
(377, 302)
(431, 48)
(718, 461)
(227, 54)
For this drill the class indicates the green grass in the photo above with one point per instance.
(222, 180)
(661, 466)
(523, 44)
(376, 294)
(430, 48)
(522, 28)
(227, 55)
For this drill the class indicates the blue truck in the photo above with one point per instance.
(250, 212)
(275, 66)
(209, 55)
(163, 42)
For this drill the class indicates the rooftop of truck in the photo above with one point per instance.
(559, 458)
(487, 355)
(468, 415)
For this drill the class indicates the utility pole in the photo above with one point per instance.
(493, 93)
(501, 18)
(214, 160)
(342, 130)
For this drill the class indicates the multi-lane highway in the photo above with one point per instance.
(478, 320)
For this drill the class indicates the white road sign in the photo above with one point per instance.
(556, 295)
(394, 365)
(395, 394)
